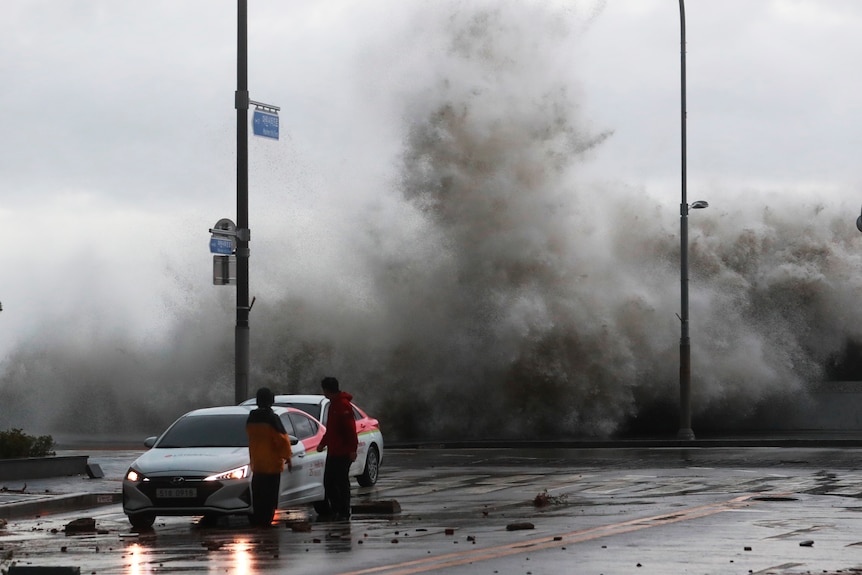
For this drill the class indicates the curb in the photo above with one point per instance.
(844, 442)
(41, 467)
(57, 503)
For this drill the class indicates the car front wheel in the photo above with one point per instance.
(372, 468)
(142, 520)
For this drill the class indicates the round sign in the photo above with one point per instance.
(225, 224)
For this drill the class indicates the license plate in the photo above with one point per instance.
(176, 493)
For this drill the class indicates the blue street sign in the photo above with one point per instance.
(265, 124)
(223, 246)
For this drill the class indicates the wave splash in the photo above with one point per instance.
(491, 291)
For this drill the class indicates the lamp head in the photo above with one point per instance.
(699, 205)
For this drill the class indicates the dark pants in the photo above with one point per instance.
(336, 482)
(264, 497)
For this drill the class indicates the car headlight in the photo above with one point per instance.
(132, 475)
(238, 473)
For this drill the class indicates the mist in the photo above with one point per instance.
(472, 281)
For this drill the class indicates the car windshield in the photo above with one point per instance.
(207, 431)
(312, 409)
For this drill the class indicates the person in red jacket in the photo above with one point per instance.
(341, 443)
(268, 451)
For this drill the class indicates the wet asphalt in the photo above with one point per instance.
(736, 508)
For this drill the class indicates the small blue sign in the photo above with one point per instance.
(265, 124)
(223, 246)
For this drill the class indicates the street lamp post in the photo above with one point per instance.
(685, 431)
(241, 360)
(266, 125)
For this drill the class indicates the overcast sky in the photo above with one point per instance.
(117, 126)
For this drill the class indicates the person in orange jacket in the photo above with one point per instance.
(341, 441)
(269, 450)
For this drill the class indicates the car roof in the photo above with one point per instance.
(231, 410)
(290, 398)
(294, 398)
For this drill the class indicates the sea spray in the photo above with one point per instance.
(481, 288)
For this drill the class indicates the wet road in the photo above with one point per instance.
(508, 511)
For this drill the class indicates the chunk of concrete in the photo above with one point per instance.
(386, 507)
(82, 525)
(94, 471)
(520, 526)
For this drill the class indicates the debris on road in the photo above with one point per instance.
(543, 499)
(387, 507)
(82, 525)
(300, 527)
(5, 489)
(520, 526)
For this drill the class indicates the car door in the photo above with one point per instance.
(301, 484)
(309, 431)
(292, 481)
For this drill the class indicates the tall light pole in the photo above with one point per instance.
(685, 431)
(266, 124)
(241, 360)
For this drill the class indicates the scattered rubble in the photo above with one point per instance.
(300, 527)
(386, 507)
(520, 526)
(543, 499)
(5, 489)
(82, 525)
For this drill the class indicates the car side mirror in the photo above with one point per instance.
(293, 439)
(150, 441)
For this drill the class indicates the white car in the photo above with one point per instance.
(366, 468)
(200, 466)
